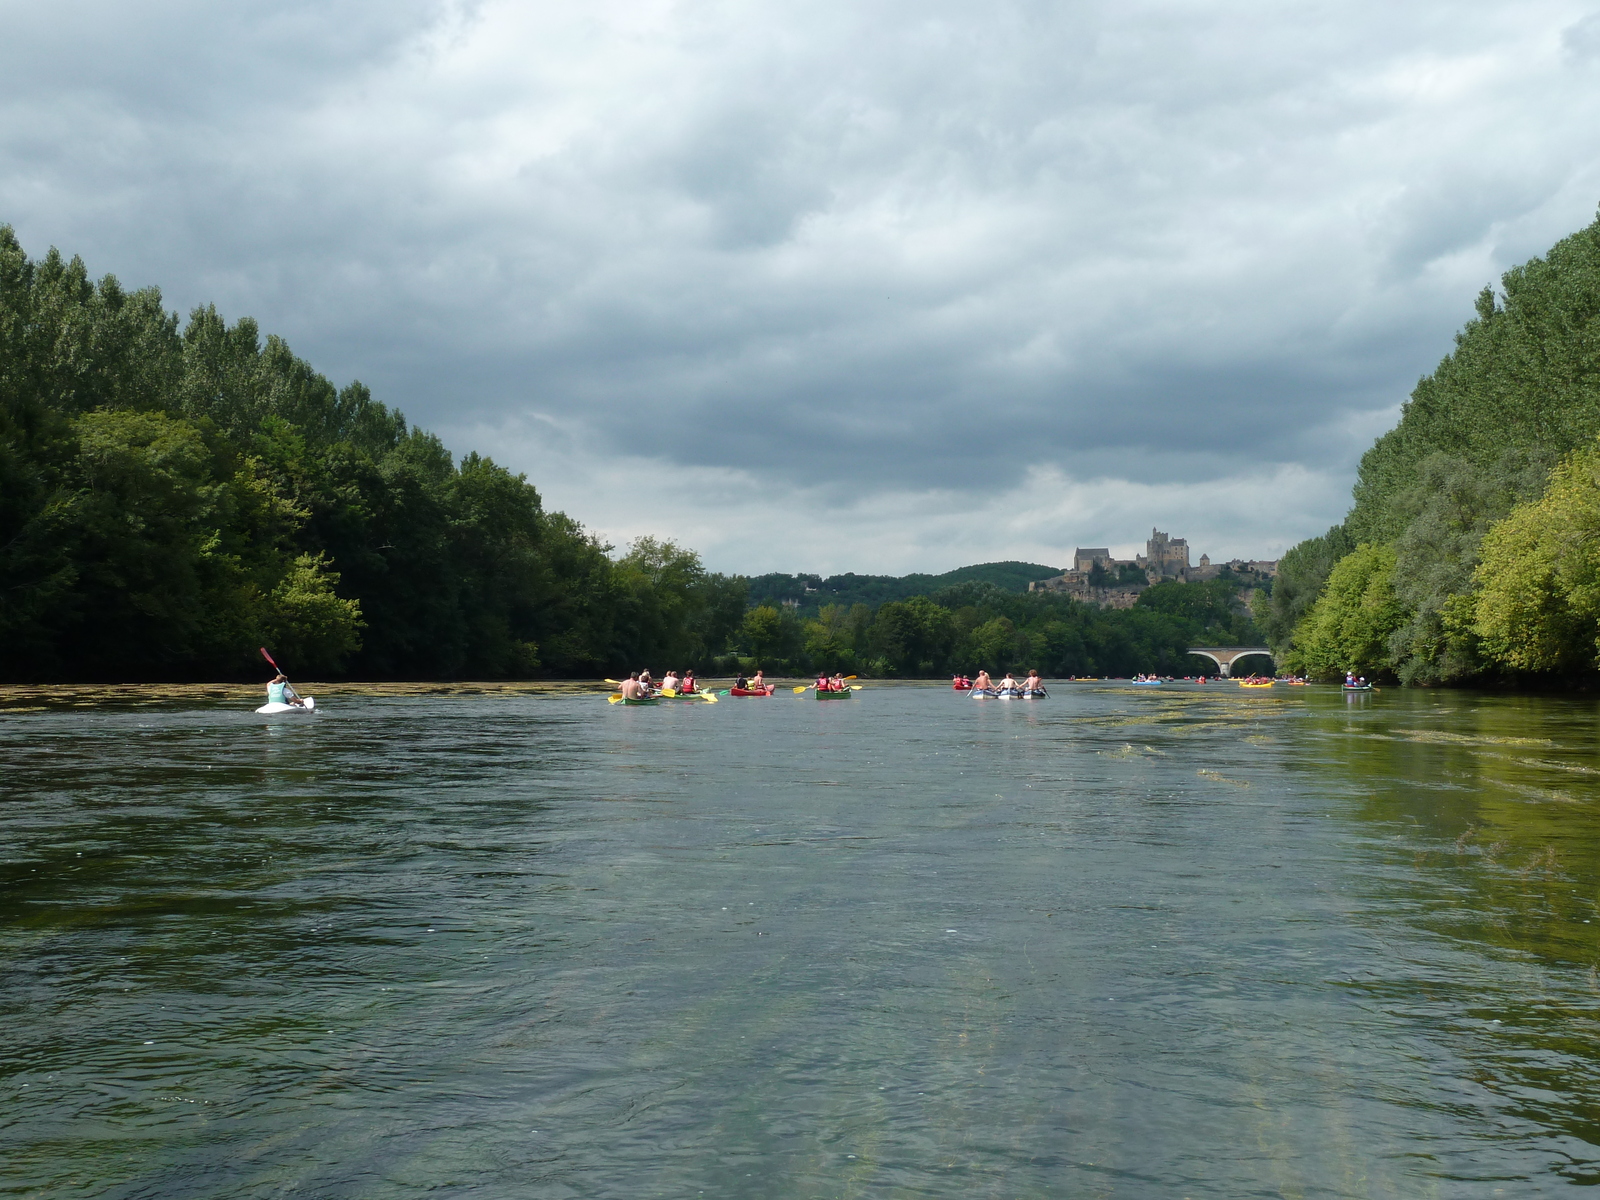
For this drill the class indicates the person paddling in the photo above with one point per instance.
(1033, 683)
(280, 691)
(983, 683)
(822, 682)
(631, 688)
(688, 684)
(759, 683)
(1009, 683)
(669, 681)
(836, 684)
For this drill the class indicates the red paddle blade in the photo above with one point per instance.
(268, 657)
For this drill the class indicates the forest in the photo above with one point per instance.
(174, 495)
(1470, 552)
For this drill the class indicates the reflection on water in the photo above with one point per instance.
(1125, 942)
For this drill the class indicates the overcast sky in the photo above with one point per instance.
(864, 285)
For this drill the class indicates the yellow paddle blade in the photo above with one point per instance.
(613, 682)
(616, 699)
(801, 688)
(711, 697)
(852, 677)
(855, 687)
(669, 693)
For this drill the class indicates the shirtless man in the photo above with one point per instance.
(669, 681)
(1033, 683)
(630, 688)
(983, 683)
(759, 682)
(1009, 683)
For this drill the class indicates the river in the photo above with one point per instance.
(1125, 942)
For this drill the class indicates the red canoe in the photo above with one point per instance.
(766, 691)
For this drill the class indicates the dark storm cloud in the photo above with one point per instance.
(891, 243)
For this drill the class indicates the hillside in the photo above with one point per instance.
(1415, 582)
(811, 592)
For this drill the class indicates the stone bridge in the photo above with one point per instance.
(1226, 656)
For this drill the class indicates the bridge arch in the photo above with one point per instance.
(1226, 656)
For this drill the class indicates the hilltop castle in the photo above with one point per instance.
(1098, 578)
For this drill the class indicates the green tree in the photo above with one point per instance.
(763, 630)
(1538, 607)
(1349, 627)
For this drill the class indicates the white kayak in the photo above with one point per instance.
(309, 706)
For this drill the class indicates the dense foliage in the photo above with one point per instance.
(810, 593)
(172, 499)
(1467, 534)
(976, 625)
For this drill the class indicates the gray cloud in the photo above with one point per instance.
(891, 244)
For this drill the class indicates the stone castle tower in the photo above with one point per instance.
(1165, 557)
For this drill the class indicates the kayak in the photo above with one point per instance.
(1362, 687)
(1020, 694)
(832, 695)
(1148, 682)
(766, 691)
(984, 694)
(273, 710)
(961, 687)
(1255, 683)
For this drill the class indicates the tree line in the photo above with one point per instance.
(976, 624)
(1470, 552)
(171, 499)
(173, 496)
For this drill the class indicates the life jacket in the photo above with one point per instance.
(275, 693)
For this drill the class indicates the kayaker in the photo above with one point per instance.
(1033, 682)
(669, 681)
(983, 683)
(822, 682)
(740, 682)
(631, 688)
(1009, 683)
(836, 684)
(645, 682)
(759, 683)
(279, 691)
(688, 684)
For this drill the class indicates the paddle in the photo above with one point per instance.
(803, 687)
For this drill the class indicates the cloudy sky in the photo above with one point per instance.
(864, 285)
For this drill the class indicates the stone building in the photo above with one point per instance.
(1164, 557)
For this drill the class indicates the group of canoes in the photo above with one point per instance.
(640, 687)
(984, 688)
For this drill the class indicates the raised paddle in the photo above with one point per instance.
(280, 671)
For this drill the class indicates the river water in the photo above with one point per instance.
(1182, 941)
